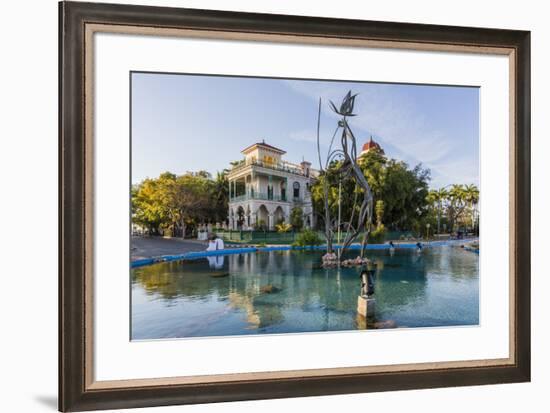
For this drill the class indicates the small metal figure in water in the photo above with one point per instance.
(367, 283)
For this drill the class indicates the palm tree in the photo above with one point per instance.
(438, 197)
(471, 196)
(457, 203)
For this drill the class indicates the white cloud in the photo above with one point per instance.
(396, 121)
(461, 170)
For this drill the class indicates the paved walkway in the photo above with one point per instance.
(148, 247)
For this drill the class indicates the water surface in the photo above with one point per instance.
(288, 292)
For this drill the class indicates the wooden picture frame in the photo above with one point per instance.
(77, 23)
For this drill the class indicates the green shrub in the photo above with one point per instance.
(296, 218)
(307, 238)
(378, 235)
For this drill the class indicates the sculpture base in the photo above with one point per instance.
(365, 306)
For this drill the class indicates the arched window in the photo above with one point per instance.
(283, 191)
(296, 188)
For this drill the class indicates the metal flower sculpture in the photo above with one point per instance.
(346, 108)
(348, 169)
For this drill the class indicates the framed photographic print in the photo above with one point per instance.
(264, 206)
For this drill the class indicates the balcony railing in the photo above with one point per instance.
(283, 166)
(259, 196)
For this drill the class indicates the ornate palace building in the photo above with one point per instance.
(263, 189)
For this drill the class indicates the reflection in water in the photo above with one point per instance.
(287, 291)
(216, 262)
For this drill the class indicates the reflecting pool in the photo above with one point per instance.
(288, 292)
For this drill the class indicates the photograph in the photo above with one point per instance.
(277, 206)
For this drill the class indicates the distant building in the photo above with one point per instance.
(263, 188)
(371, 145)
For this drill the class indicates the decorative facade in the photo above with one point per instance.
(263, 189)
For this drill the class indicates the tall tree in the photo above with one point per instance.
(437, 198)
(148, 209)
(457, 205)
(402, 190)
(171, 201)
(373, 164)
(471, 196)
(404, 194)
(188, 199)
(220, 196)
(297, 218)
(379, 209)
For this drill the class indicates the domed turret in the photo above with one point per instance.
(371, 145)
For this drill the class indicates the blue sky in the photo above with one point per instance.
(187, 123)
